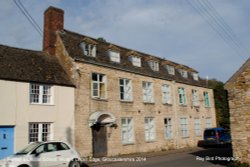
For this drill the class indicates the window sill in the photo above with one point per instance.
(167, 104)
(182, 105)
(169, 138)
(128, 144)
(195, 106)
(186, 137)
(149, 103)
(39, 104)
(150, 141)
(99, 99)
(126, 101)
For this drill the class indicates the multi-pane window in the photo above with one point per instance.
(197, 126)
(136, 61)
(195, 98)
(168, 128)
(125, 89)
(114, 56)
(149, 129)
(40, 132)
(184, 127)
(166, 94)
(40, 94)
(127, 130)
(206, 99)
(170, 69)
(98, 86)
(154, 65)
(195, 76)
(148, 95)
(183, 73)
(88, 49)
(208, 122)
(182, 96)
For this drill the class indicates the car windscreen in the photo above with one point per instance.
(209, 133)
(28, 148)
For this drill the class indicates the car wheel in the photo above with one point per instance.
(75, 163)
(23, 166)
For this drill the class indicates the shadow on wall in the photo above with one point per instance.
(69, 135)
(69, 138)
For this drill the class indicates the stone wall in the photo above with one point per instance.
(239, 103)
(85, 105)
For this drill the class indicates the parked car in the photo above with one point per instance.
(44, 154)
(216, 136)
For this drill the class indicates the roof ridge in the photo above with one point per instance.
(21, 49)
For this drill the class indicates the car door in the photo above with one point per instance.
(45, 156)
(64, 154)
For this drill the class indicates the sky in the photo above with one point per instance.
(211, 36)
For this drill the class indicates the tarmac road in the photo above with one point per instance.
(196, 157)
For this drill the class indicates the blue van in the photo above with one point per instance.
(216, 136)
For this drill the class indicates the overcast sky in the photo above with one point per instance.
(212, 36)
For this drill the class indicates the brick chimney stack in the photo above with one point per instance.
(53, 21)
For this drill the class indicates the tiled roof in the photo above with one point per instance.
(31, 66)
(72, 40)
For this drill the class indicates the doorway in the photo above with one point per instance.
(99, 137)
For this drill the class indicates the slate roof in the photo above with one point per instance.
(72, 40)
(31, 66)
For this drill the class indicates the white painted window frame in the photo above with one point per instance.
(170, 69)
(206, 99)
(88, 49)
(126, 90)
(154, 65)
(101, 80)
(184, 127)
(195, 76)
(208, 122)
(195, 98)
(183, 73)
(168, 128)
(197, 126)
(148, 92)
(136, 61)
(114, 56)
(127, 129)
(182, 96)
(166, 94)
(41, 94)
(150, 134)
(41, 131)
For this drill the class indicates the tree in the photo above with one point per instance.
(221, 103)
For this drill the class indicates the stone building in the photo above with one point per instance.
(238, 87)
(127, 101)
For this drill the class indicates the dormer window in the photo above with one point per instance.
(136, 61)
(170, 69)
(183, 73)
(195, 76)
(88, 49)
(154, 65)
(114, 56)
